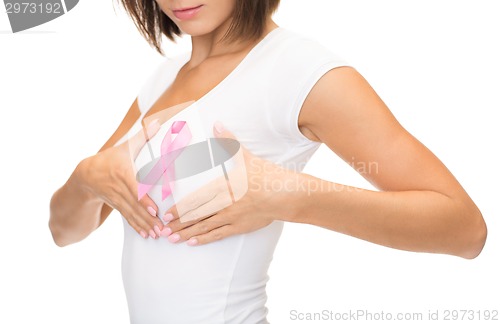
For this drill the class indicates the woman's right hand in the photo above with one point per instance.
(109, 176)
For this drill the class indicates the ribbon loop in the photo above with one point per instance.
(164, 168)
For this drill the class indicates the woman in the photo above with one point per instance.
(280, 95)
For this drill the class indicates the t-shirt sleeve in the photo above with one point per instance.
(300, 70)
(310, 79)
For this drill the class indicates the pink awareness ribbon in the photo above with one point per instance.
(170, 150)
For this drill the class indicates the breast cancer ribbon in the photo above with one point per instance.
(164, 167)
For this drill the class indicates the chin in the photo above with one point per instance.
(195, 29)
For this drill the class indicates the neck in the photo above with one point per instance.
(208, 45)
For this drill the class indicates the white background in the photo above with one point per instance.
(65, 86)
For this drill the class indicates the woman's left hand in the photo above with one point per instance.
(201, 219)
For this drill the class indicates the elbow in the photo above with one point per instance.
(62, 237)
(55, 226)
(57, 236)
(474, 237)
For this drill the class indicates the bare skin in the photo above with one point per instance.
(420, 205)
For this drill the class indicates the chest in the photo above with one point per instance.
(192, 84)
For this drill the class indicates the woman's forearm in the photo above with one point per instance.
(424, 221)
(74, 212)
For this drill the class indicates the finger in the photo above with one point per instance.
(137, 142)
(127, 212)
(137, 222)
(196, 198)
(201, 197)
(176, 225)
(131, 221)
(216, 234)
(221, 200)
(197, 229)
(149, 205)
(152, 225)
(171, 214)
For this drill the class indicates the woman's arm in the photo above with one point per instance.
(80, 206)
(421, 206)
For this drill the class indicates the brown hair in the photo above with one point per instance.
(249, 17)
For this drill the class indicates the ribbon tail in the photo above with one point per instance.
(155, 174)
(167, 188)
(173, 148)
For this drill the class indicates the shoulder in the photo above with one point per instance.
(297, 63)
(341, 99)
(305, 50)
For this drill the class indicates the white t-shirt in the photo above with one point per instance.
(259, 102)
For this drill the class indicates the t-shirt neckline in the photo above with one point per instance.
(187, 55)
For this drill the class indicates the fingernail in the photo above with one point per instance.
(152, 211)
(219, 128)
(152, 234)
(166, 231)
(157, 230)
(192, 241)
(143, 234)
(174, 237)
(168, 217)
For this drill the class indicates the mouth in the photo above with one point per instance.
(186, 13)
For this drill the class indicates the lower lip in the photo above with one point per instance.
(187, 14)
